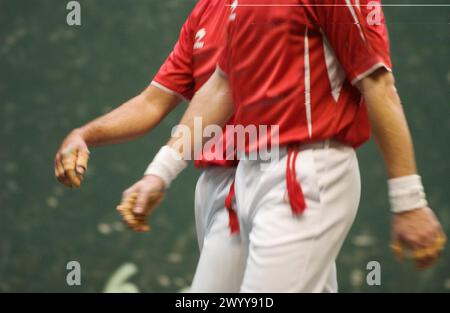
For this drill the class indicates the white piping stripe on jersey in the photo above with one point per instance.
(358, 5)
(307, 84)
(370, 71)
(336, 74)
(355, 17)
(168, 90)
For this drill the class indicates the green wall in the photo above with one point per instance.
(54, 77)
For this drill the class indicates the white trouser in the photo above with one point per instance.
(222, 258)
(296, 253)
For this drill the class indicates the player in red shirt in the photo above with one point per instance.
(186, 69)
(320, 71)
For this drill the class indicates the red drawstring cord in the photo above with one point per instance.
(234, 223)
(294, 190)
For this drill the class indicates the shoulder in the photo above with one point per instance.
(201, 7)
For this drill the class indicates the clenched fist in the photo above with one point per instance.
(139, 201)
(71, 160)
(420, 233)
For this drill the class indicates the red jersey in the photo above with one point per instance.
(194, 58)
(294, 63)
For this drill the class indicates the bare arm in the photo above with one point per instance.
(212, 103)
(130, 120)
(389, 123)
(417, 229)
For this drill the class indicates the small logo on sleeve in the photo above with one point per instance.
(199, 43)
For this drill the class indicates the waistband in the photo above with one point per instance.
(323, 144)
(284, 150)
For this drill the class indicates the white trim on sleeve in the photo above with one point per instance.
(370, 71)
(168, 90)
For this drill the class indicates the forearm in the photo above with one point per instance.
(389, 124)
(212, 105)
(414, 225)
(132, 119)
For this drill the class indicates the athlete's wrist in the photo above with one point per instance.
(82, 133)
(167, 164)
(406, 193)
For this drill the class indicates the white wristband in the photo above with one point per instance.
(406, 193)
(167, 164)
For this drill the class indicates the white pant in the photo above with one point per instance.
(288, 253)
(222, 258)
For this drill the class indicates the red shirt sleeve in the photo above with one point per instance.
(176, 74)
(357, 33)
